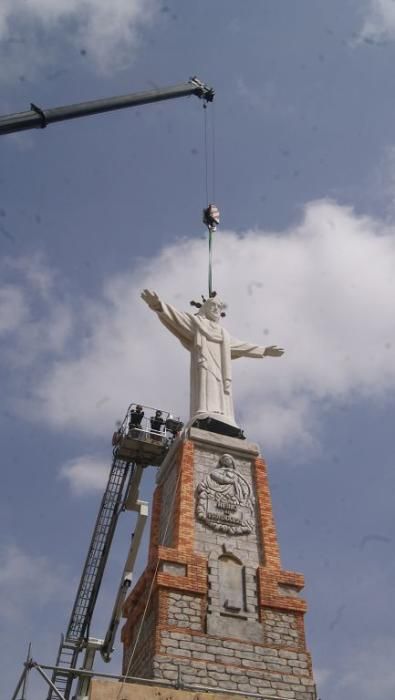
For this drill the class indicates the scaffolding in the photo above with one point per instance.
(177, 684)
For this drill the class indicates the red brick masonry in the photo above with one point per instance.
(281, 660)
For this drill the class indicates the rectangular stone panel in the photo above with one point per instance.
(222, 626)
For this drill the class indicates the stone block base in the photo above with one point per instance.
(109, 690)
(234, 665)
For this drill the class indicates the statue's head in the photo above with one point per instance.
(211, 308)
(227, 461)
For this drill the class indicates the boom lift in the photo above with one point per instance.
(135, 447)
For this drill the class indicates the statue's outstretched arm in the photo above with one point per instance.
(273, 351)
(241, 349)
(177, 322)
(152, 299)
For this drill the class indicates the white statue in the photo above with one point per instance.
(212, 349)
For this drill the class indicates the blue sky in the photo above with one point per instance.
(94, 210)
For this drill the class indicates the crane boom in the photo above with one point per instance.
(38, 118)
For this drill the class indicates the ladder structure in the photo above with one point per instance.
(78, 627)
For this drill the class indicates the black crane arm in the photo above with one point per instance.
(38, 118)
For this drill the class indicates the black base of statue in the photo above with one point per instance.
(217, 426)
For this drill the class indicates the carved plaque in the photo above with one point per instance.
(224, 500)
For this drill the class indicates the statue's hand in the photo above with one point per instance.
(152, 299)
(273, 351)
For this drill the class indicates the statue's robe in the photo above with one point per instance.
(226, 483)
(212, 349)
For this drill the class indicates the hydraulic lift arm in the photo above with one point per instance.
(135, 447)
(38, 118)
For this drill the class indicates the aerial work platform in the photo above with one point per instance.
(143, 438)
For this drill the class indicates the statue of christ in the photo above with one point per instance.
(212, 349)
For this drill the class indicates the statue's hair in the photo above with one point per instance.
(200, 305)
(227, 457)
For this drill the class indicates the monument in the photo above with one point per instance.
(212, 349)
(214, 615)
(214, 609)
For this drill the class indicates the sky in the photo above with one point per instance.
(94, 210)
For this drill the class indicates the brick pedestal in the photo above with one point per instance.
(218, 608)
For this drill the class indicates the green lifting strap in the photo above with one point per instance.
(210, 261)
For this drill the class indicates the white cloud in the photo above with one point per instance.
(107, 32)
(85, 474)
(369, 672)
(323, 289)
(27, 579)
(33, 318)
(35, 271)
(379, 22)
(362, 672)
(34, 592)
(13, 308)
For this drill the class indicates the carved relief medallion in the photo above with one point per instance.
(224, 500)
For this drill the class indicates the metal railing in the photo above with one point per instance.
(169, 427)
(177, 685)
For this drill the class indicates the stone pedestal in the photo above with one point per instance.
(218, 609)
(113, 690)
